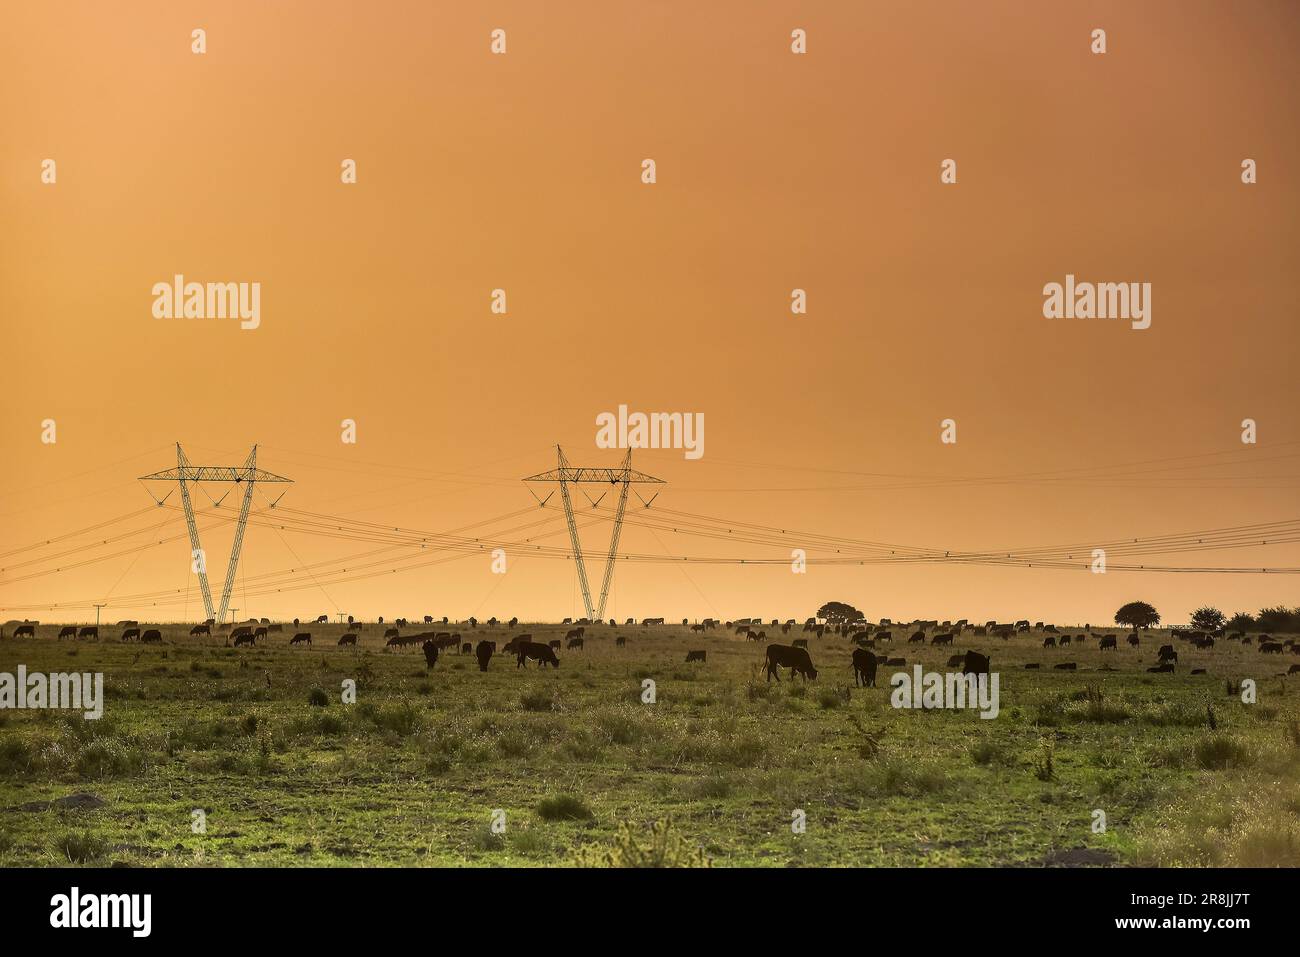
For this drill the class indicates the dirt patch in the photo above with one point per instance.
(1079, 857)
(71, 802)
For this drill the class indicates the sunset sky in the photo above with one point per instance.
(775, 171)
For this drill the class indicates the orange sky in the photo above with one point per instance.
(775, 171)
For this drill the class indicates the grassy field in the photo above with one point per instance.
(412, 773)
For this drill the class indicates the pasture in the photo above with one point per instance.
(286, 774)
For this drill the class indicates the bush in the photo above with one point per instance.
(666, 848)
(80, 846)
(539, 699)
(987, 752)
(317, 698)
(564, 807)
(1219, 751)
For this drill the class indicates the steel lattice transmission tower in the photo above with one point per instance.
(247, 475)
(625, 477)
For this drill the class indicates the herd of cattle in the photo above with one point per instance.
(864, 637)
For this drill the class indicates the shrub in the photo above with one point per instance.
(80, 846)
(666, 848)
(317, 698)
(1219, 751)
(564, 807)
(539, 699)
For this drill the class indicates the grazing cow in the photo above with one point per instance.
(975, 664)
(785, 629)
(200, 630)
(1063, 641)
(785, 656)
(1167, 653)
(575, 633)
(259, 633)
(620, 642)
(575, 644)
(128, 635)
(1066, 666)
(555, 643)
(1294, 670)
(918, 636)
(543, 654)
(800, 643)
(397, 642)
(1133, 640)
(391, 633)
(92, 631)
(694, 656)
(466, 648)
(1270, 647)
(430, 654)
(956, 660)
(944, 639)
(697, 627)
(864, 668)
(1204, 643)
(245, 639)
(885, 636)
(70, 631)
(152, 635)
(1108, 642)
(1049, 642)
(300, 638)
(483, 651)
(323, 619)
(819, 630)
(348, 639)
(1166, 668)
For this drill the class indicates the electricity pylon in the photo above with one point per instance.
(566, 475)
(247, 475)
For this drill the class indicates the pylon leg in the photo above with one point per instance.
(613, 539)
(182, 463)
(250, 464)
(573, 536)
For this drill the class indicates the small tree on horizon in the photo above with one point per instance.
(1279, 618)
(1208, 618)
(838, 612)
(1241, 622)
(1137, 614)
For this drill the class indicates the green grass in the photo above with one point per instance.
(412, 772)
